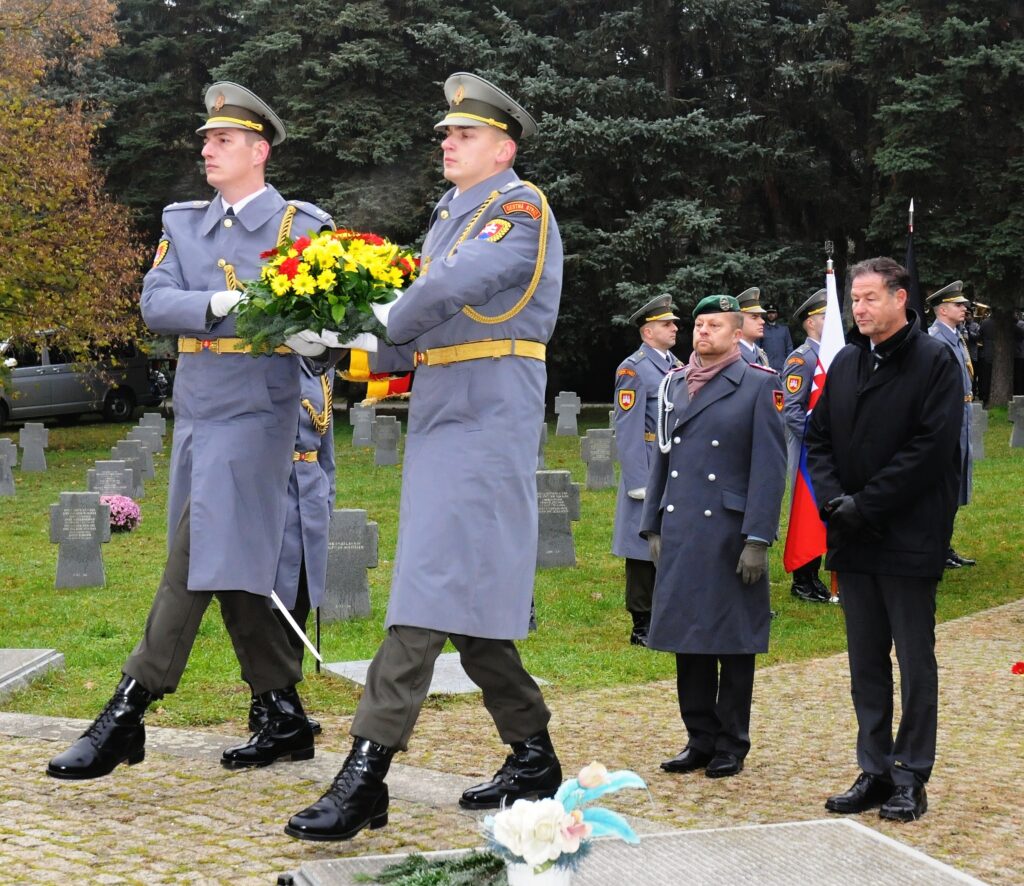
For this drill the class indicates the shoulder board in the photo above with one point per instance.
(510, 186)
(803, 349)
(187, 204)
(636, 357)
(761, 368)
(310, 209)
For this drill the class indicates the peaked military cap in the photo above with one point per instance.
(771, 307)
(952, 294)
(472, 101)
(230, 106)
(660, 308)
(814, 305)
(717, 304)
(750, 301)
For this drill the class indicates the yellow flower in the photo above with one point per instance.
(326, 280)
(280, 284)
(303, 283)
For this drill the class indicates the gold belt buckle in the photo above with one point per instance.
(210, 344)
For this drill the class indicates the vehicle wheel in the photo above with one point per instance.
(119, 405)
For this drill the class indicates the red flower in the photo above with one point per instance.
(268, 253)
(289, 267)
(301, 244)
(372, 239)
(1018, 668)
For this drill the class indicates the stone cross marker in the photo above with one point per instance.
(597, 449)
(567, 407)
(351, 550)
(154, 420)
(541, 445)
(558, 504)
(611, 419)
(111, 478)
(361, 418)
(7, 445)
(1016, 406)
(33, 438)
(386, 434)
(79, 524)
(131, 452)
(148, 470)
(6, 477)
(148, 435)
(979, 424)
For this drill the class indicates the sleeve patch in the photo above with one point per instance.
(161, 251)
(626, 400)
(523, 206)
(780, 400)
(794, 383)
(626, 371)
(495, 230)
(795, 361)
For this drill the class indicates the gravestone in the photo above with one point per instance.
(110, 478)
(351, 550)
(611, 419)
(386, 434)
(7, 445)
(6, 477)
(1017, 431)
(1016, 407)
(567, 407)
(541, 445)
(154, 420)
(597, 449)
(361, 418)
(979, 424)
(79, 524)
(558, 504)
(131, 452)
(148, 435)
(33, 438)
(148, 469)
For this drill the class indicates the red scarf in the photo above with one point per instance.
(698, 375)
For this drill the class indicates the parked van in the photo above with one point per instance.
(44, 381)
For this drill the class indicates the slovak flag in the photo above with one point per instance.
(805, 539)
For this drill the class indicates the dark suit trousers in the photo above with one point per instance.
(399, 677)
(260, 642)
(882, 610)
(808, 570)
(715, 705)
(640, 576)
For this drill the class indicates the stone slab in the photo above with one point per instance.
(19, 667)
(449, 678)
(837, 852)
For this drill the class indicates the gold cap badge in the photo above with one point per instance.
(218, 102)
(460, 94)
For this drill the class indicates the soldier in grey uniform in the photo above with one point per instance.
(636, 414)
(475, 325)
(234, 434)
(753, 326)
(710, 513)
(798, 374)
(950, 308)
(776, 342)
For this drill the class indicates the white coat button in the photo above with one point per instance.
(675, 439)
(707, 513)
(714, 442)
(711, 477)
(675, 474)
(670, 508)
(228, 223)
(443, 213)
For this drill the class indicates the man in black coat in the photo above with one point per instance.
(883, 450)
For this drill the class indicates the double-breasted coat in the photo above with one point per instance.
(797, 376)
(951, 338)
(235, 416)
(722, 480)
(310, 491)
(467, 537)
(636, 417)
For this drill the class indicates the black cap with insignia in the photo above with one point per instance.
(660, 308)
(814, 305)
(473, 101)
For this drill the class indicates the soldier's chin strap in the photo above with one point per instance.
(665, 407)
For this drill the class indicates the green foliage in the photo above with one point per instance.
(474, 869)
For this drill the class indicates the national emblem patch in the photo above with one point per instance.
(626, 400)
(780, 400)
(523, 206)
(495, 230)
(161, 251)
(794, 383)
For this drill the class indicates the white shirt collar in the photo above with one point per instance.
(241, 204)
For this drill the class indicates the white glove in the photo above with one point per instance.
(365, 341)
(307, 343)
(382, 312)
(221, 303)
(330, 338)
(637, 494)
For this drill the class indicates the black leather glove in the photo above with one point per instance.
(654, 546)
(843, 516)
(753, 561)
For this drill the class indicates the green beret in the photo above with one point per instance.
(717, 304)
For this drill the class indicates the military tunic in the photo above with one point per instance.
(636, 417)
(777, 344)
(753, 354)
(722, 480)
(951, 338)
(797, 376)
(235, 415)
(467, 541)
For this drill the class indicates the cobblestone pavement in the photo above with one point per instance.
(179, 817)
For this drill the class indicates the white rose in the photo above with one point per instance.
(543, 840)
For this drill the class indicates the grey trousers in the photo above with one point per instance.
(399, 677)
(260, 641)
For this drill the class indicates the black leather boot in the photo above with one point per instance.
(286, 733)
(258, 717)
(641, 625)
(117, 735)
(357, 798)
(530, 772)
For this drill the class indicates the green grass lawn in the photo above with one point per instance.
(582, 641)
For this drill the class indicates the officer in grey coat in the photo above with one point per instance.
(798, 376)
(950, 308)
(753, 327)
(235, 425)
(711, 510)
(636, 414)
(475, 325)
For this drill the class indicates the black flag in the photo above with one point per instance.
(914, 300)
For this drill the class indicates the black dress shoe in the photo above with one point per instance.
(824, 591)
(530, 772)
(258, 717)
(358, 797)
(641, 626)
(724, 764)
(286, 734)
(963, 561)
(117, 735)
(907, 803)
(866, 792)
(687, 760)
(805, 589)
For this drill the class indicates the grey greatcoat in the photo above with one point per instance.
(722, 480)
(467, 539)
(951, 338)
(235, 416)
(636, 417)
(798, 375)
(310, 495)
